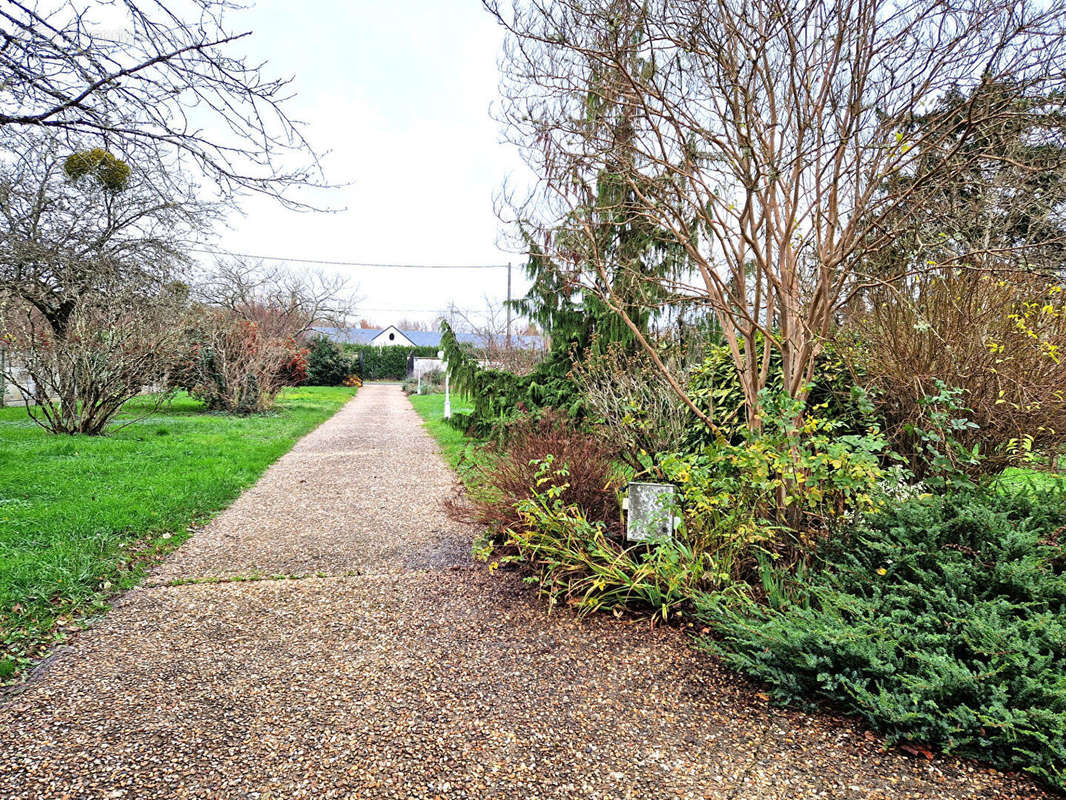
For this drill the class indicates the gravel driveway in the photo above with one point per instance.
(376, 661)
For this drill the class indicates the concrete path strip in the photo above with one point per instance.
(391, 667)
(359, 493)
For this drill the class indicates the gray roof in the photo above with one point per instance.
(422, 338)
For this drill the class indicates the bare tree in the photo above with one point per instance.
(767, 139)
(415, 325)
(67, 232)
(90, 262)
(244, 335)
(285, 301)
(156, 80)
(490, 330)
(1010, 195)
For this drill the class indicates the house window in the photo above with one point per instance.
(392, 336)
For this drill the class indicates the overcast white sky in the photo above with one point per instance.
(400, 93)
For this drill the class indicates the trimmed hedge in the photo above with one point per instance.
(385, 363)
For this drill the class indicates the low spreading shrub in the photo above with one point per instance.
(940, 620)
(433, 381)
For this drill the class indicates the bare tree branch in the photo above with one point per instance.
(168, 86)
(775, 143)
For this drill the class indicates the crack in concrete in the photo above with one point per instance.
(259, 578)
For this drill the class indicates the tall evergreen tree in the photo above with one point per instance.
(638, 258)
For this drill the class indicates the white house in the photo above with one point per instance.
(393, 336)
(390, 337)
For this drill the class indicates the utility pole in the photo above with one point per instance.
(508, 305)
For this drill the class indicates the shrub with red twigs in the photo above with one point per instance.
(500, 478)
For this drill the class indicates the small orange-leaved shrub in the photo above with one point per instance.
(499, 477)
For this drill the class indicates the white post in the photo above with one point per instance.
(447, 392)
(420, 383)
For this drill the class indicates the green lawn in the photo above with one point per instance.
(453, 442)
(82, 517)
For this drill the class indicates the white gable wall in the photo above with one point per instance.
(391, 336)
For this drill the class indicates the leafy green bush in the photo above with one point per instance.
(715, 389)
(778, 489)
(575, 561)
(935, 452)
(766, 501)
(750, 508)
(941, 620)
(326, 363)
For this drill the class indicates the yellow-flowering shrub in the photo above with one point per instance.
(998, 338)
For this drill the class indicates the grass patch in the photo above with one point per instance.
(454, 444)
(81, 518)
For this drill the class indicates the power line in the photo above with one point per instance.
(345, 263)
(360, 309)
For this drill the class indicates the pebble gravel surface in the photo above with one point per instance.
(390, 666)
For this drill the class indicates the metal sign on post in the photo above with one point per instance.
(651, 508)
